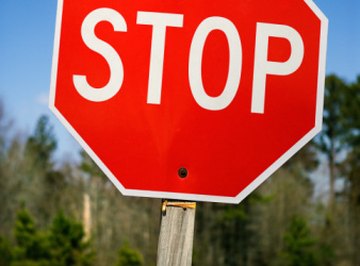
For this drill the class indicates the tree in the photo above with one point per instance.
(331, 138)
(5, 252)
(351, 170)
(31, 246)
(299, 245)
(67, 245)
(234, 233)
(286, 194)
(10, 155)
(113, 217)
(129, 257)
(42, 144)
(43, 184)
(5, 125)
(352, 113)
(333, 144)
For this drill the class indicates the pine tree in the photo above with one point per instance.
(5, 252)
(43, 184)
(67, 245)
(351, 170)
(129, 257)
(42, 144)
(299, 245)
(31, 246)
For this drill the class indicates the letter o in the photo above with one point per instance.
(195, 63)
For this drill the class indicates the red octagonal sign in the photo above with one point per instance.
(195, 99)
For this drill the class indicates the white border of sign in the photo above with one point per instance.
(197, 197)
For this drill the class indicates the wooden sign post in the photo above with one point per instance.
(176, 233)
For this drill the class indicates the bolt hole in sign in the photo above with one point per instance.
(195, 99)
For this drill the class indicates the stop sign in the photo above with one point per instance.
(194, 100)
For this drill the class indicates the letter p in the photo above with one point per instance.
(263, 67)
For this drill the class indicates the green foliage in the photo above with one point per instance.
(62, 245)
(2, 130)
(129, 257)
(42, 143)
(351, 169)
(5, 252)
(223, 233)
(31, 245)
(45, 184)
(67, 247)
(332, 135)
(339, 142)
(88, 166)
(352, 114)
(298, 245)
(331, 139)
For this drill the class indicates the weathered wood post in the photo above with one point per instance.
(176, 233)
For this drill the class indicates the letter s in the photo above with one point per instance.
(104, 49)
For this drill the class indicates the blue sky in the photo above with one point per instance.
(26, 43)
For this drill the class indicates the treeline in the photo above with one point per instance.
(66, 213)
